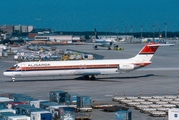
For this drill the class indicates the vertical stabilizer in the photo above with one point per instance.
(147, 52)
(96, 34)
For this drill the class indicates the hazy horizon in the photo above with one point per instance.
(80, 15)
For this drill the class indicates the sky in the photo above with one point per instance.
(85, 15)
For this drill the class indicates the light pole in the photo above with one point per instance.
(117, 30)
(126, 30)
(141, 30)
(110, 32)
(153, 26)
(159, 31)
(106, 32)
(131, 30)
(165, 30)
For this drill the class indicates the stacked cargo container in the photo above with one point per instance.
(84, 103)
(36, 103)
(58, 96)
(71, 99)
(12, 116)
(62, 105)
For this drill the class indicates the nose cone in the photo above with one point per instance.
(6, 73)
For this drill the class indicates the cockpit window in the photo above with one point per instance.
(15, 66)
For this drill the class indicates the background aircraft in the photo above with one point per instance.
(102, 42)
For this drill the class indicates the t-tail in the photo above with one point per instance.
(96, 34)
(147, 52)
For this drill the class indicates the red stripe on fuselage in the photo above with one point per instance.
(102, 66)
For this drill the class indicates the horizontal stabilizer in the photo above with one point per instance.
(152, 45)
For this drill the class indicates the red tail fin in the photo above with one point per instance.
(148, 51)
(149, 48)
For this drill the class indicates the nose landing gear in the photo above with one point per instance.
(13, 79)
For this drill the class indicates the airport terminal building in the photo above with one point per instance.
(59, 38)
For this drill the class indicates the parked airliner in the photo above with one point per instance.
(88, 68)
(102, 42)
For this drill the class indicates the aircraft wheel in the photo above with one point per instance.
(95, 47)
(93, 77)
(13, 79)
(109, 48)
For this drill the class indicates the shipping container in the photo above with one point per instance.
(4, 99)
(36, 103)
(6, 113)
(84, 103)
(7, 110)
(173, 114)
(45, 105)
(71, 99)
(13, 96)
(24, 99)
(63, 113)
(3, 105)
(4, 102)
(11, 116)
(41, 115)
(123, 115)
(23, 109)
(58, 96)
(14, 103)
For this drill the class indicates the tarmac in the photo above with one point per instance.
(161, 78)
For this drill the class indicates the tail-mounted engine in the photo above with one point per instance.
(126, 67)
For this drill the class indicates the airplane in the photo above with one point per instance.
(102, 42)
(88, 68)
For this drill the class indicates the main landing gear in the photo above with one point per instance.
(89, 77)
(13, 79)
(96, 47)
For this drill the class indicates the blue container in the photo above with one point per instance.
(4, 115)
(46, 116)
(21, 109)
(123, 115)
(84, 102)
(15, 96)
(3, 105)
(24, 99)
(70, 99)
(58, 96)
(45, 105)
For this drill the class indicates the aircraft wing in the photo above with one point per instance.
(87, 72)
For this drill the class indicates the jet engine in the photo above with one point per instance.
(126, 67)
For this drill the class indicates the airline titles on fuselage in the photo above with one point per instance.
(39, 65)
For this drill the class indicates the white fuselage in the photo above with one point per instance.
(82, 67)
(103, 42)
